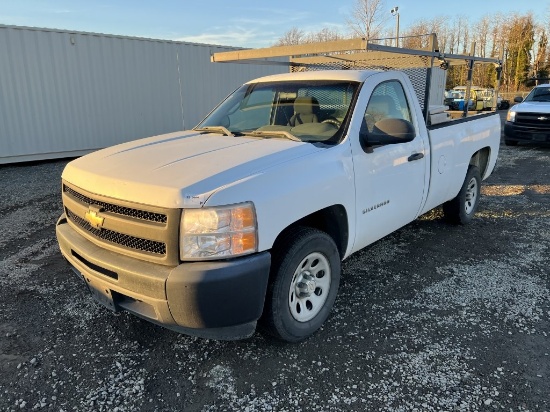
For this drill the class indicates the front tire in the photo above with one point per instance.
(463, 207)
(305, 277)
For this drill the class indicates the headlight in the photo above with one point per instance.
(218, 232)
(511, 116)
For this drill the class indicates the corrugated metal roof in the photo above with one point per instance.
(116, 36)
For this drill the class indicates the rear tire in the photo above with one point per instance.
(462, 208)
(305, 276)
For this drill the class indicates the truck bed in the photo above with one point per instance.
(451, 146)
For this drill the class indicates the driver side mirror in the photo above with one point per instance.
(388, 131)
(518, 99)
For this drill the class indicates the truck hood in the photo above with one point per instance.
(532, 107)
(180, 169)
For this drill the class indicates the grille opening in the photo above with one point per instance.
(535, 120)
(128, 241)
(95, 267)
(120, 210)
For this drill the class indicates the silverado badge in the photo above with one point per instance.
(93, 218)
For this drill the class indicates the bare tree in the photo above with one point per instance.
(443, 33)
(290, 37)
(368, 18)
(297, 36)
(481, 34)
(324, 34)
(416, 36)
(483, 74)
(523, 43)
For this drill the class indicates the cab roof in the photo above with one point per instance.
(345, 75)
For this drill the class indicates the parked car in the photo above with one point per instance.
(502, 104)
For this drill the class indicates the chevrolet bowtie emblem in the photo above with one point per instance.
(93, 218)
(542, 118)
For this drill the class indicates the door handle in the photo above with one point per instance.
(415, 156)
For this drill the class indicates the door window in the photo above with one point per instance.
(387, 101)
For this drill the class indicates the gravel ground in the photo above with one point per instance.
(431, 318)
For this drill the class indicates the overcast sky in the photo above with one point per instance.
(246, 23)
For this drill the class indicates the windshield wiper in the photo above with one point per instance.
(214, 129)
(273, 133)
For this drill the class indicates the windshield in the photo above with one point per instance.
(312, 111)
(539, 94)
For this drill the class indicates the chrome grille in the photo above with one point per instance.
(120, 210)
(132, 242)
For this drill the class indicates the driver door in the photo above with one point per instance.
(390, 179)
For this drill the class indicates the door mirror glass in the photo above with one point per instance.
(389, 131)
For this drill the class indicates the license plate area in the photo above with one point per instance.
(103, 296)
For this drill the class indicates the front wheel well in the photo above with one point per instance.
(332, 220)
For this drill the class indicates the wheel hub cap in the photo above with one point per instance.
(471, 196)
(306, 285)
(310, 287)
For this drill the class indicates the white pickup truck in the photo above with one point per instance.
(529, 119)
(248, 216)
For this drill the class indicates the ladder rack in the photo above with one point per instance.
(360, 53)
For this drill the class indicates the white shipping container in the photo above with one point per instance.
(66, 93)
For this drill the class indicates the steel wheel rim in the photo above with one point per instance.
(471, 196)
(309, 288)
